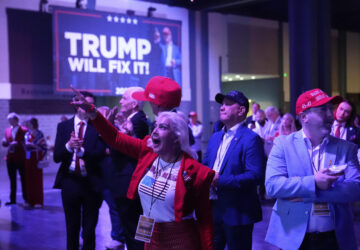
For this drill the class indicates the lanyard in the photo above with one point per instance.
(312, 160)
(154, 199)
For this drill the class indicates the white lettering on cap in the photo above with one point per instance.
(152, 96)
(319, 97)
(305, 105)
(316, 92)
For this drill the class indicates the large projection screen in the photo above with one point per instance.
(105, 53)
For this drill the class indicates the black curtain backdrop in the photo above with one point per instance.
(30, 47)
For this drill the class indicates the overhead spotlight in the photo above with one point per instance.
(44, 6)
(150, 11)
(130, 12)
(80, 4)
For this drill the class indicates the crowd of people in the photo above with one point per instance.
(163, 193)
(26, 147)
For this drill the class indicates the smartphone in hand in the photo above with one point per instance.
(337, 169)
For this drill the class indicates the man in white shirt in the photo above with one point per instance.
(342, 127)
(261, 123)
(79, 149)
(314, 177)
(274, 121)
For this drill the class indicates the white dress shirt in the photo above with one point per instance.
(169, 49)
(81, 152)
(343, 132)
(220, 155)
(318, 223)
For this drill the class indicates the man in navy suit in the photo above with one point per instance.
(343, 127)
(237, 156)
(120, 167)
(252, 118)
(79, 149)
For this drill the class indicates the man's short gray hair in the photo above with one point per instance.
(272, 109)
(13, 115)
(131, 90)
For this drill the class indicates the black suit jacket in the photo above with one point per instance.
(118, 168)
(353, 135)
(94, 153)
(248, 120)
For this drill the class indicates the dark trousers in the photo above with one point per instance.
(235, 237)
(320, 241)
(199, 154)
(12, 168)
(117, 230)
(81, 207)
(129, 212)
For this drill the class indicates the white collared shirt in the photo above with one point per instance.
(14, 130)
(272, 128)
(318, 223)
(343, 133)
(224, 145)
(220, 155)
(82, 150)
(169, 48)
(131, 116)
(260, 130)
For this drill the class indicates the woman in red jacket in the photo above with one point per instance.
(170, 183)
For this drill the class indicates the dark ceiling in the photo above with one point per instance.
(345, 14)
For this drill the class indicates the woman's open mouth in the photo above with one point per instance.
(155, 141)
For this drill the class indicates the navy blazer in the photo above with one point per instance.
(241, 171)
(353, 135)
(94, 153)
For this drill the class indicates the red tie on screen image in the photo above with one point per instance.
(337, 131)
(77, 160)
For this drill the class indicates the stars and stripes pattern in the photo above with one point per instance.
(157, 189)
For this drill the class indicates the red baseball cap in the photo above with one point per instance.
(314, 98)
(161, 91)
(192, 113)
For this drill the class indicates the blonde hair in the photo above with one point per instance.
(178, 125)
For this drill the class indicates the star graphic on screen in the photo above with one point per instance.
(128, 20)
(109, 18)
(122, 19)
(135, 21)
(116, 19)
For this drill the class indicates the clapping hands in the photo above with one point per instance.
(75, 143)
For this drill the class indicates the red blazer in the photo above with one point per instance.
(17, 155)
(192, 184)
